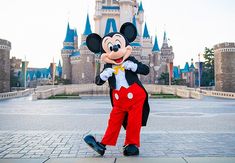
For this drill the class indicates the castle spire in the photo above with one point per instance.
(87, 30)
(68, 37)
(146, 32)
(141, 9)
(164, 38)
(134, 22)
(59, 64)
(75, 33)
(155, 46)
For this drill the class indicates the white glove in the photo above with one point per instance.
(108, 72)
(129, 65)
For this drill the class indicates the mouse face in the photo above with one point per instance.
(114, 47)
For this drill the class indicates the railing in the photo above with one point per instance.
(218, 94)
(15, 94)
(92, 89)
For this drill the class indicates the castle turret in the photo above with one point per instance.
(126, 11)
(136, 43)
(167, 54)
(147, 56)
(134, 22)
(155, 46)
(68, 48)
(75, 39)
(5, 47)
(86, 72)
(140, 16)
(98, 15)
(146, 32)
(87, 31)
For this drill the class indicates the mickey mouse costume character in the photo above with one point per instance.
(128, 96)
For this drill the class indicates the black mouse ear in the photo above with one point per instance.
(129, 31)
(93, 42)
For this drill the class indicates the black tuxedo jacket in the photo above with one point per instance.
(131, 78)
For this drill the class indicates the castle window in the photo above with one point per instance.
(83, 75)
(88, 59)
(109, 2)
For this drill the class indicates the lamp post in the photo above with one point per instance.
(199, 72)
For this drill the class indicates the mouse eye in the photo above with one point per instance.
(118, 43)
(110, 46)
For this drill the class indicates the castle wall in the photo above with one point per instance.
(77, 70)
(225, 67)
(88, 59)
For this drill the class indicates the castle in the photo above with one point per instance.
(81, 65)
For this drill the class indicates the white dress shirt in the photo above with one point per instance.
(121, 80)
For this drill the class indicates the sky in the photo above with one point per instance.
(37, 28)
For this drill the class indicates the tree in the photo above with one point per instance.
(178, 82)
(164, 78)
(208, 68)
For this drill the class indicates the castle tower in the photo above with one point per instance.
(75, 39)
(107, 16)
(136, 44)
(225, 67)
(192, 74)
(87, 70)
(98, 16)
(68, 48)
(147, 54)
(5, 47)
(140, 16)
(167, 54)
(156, 60)
(126, 11)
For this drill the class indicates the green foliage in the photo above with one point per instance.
(178, 82)
(164, 78)
(62, 81)
(14, 80)
(161, 95)
(208, 68)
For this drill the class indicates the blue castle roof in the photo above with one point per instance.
(186, 68)
(134, 22)
(69, 35)
(37, 73)
(155, 46)
(176, 72)
(110, 23)
(146, 32)
(59, 64)
(192, 66)
(75, 33)
(140, 9)
(87, 30)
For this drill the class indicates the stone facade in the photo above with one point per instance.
(5, 47)
(225, 67)
(80, 65)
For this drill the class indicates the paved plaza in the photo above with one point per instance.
(184, 130)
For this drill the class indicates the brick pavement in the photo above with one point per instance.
(70, 145)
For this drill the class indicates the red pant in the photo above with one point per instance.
(131, 101)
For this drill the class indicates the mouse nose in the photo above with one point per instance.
(115, 48)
